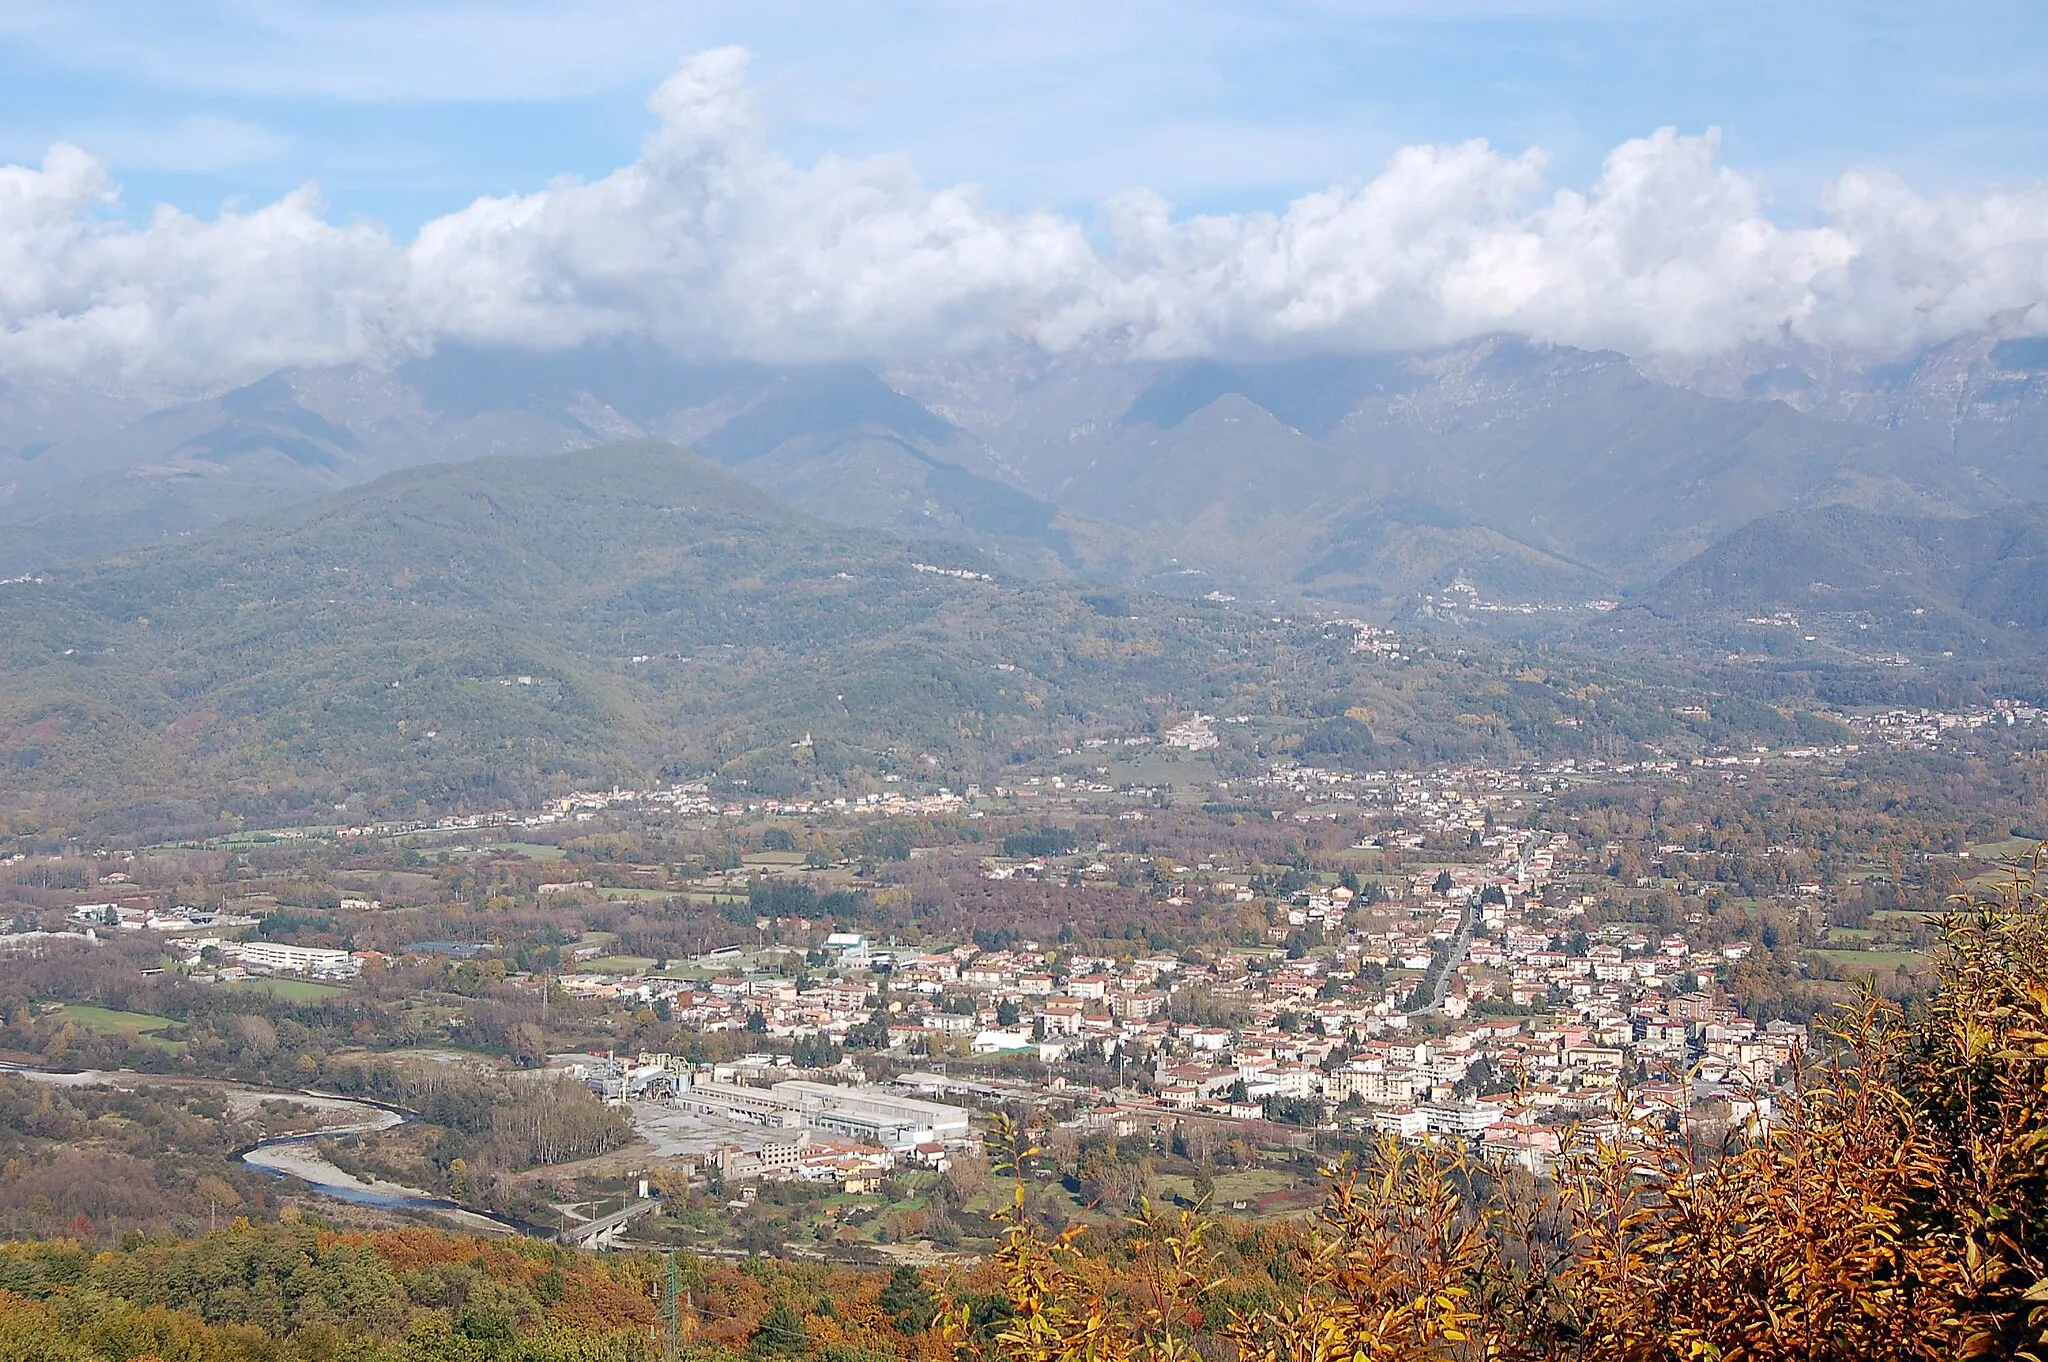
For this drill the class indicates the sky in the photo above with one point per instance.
(237, 183)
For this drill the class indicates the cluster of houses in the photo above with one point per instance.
(1329, 1033)
(138, 916)
(1478, 999)
(1927, 728)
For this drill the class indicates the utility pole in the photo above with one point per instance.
(671, 1314)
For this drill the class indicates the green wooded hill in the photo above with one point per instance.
(1924, 586)
(478, 635)
(475, 633)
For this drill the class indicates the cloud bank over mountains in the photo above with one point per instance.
(712, 241)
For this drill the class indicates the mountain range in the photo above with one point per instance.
(1527, 473)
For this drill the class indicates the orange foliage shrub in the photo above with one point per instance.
(1897, 1209)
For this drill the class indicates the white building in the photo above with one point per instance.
(737, 1102)
(1461, 1120)
(268, 955)
(852, 947)
(872, 1115)
(1405, 1122)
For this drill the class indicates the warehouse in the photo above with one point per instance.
(871, 1115)
(874, 1115)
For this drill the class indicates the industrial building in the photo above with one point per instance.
(875, 1115)
(871, 1115)
(737, 1102)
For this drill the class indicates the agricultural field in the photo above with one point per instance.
(291, 990)
(111, 1021)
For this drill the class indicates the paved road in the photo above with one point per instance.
(1460, 944)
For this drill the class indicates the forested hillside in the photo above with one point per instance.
(475, 635)
(1922, 586)
(465, 631)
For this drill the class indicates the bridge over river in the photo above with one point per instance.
(596, 1234)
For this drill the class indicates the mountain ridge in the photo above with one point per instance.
(1914, 586)
(492, 626)
(1532, 472)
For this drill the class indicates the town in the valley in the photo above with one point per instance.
(791, 1020)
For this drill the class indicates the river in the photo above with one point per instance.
(298, 1156)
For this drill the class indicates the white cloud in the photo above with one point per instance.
(180, 298)
(712, 240)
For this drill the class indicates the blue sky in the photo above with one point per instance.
(404, 111)
(787, 181)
